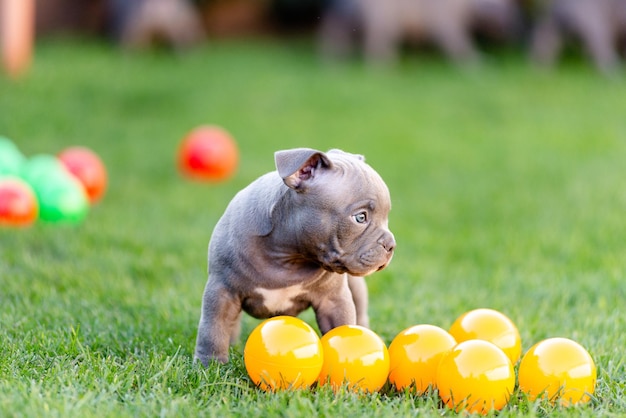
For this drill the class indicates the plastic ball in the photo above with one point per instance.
(88, 168)
(414, 355)
(355, 356)
(11, 159)
(492, 326)
(477, 376)
(283, 352)
(208, 153)
(558, 369)
(62, 200)
(18, 203)
(41, 169)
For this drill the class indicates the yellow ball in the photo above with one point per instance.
(283, 352)
(415, 354)
(558, 369)
(355, 356)
(477, 376)
(492, 326)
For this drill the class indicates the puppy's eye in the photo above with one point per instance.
(360, 217)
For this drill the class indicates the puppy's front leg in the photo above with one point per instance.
(358, 288)
(335, 308)
(219, 322)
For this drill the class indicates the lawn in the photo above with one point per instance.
(508, 189)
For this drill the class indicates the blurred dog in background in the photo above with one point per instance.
(598, 25)
(141, 24)
(133, 24)
(383, 26)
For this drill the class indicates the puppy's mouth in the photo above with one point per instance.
(381, 267)
(360, 263)
(336, 265)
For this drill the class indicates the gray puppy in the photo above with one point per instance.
(302, 236)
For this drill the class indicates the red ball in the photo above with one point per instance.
(208, 153)
(87, 167)
(18, 203)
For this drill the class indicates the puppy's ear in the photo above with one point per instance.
(297, 166)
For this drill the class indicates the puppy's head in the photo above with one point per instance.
(343, 206)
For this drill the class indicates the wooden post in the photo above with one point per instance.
(17, 27)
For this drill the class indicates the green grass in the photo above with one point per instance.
(508, 189)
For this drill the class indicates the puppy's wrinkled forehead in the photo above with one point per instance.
(365, 179)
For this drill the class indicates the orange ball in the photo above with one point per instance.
(489, 325)
(355, 356)
(476, 376)
(88, 169)
(208, 153)
(283, 352)
(415, 354)
(18, 203)
(558, 369)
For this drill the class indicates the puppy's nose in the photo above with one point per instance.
(388, 241)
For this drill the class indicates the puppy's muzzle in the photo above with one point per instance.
(388, 241)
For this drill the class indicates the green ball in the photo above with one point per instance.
(61, 197)
(11, 159)
(62, 200)
(43, 168)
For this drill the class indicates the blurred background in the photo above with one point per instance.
(544, 30)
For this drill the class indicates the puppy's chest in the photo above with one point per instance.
(286, 300)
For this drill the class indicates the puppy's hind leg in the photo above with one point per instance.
(219, 323)
(358, 287)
